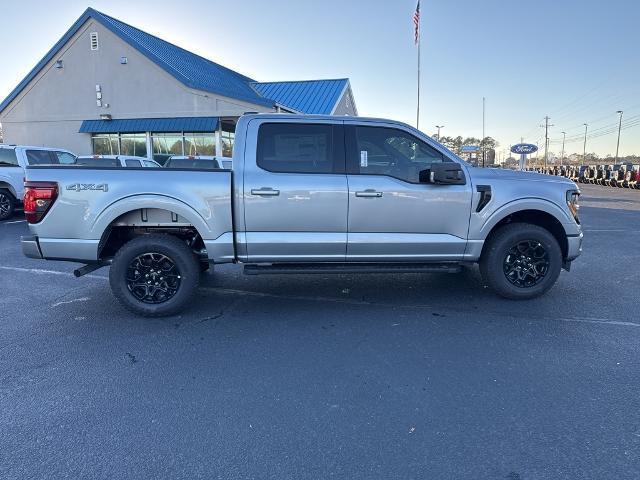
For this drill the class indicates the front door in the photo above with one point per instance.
(295, 192)
(392, 216)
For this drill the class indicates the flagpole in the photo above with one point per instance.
(418, 106)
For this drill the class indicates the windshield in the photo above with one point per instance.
(97, 162)
(187, 163)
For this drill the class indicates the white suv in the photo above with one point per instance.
(13, 160)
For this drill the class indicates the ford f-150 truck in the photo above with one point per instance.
(307, 194)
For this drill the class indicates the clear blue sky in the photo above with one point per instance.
(577, 61)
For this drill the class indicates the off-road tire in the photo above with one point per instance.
(166, 245)
(492, 263)
(7, 204)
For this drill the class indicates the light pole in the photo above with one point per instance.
(564, 135)
(619, 112)
(584, 146)
(439, 127)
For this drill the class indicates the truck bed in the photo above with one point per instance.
(91, 199)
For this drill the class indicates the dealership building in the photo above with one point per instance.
(109, 88)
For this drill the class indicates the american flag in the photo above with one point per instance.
(416, 23)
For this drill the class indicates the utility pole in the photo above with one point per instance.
(546, 139)
(619, 128)
(564, 136)
(482, 141)
(584, 147)
(439, 127)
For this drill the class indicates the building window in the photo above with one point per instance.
(134, 144)
(167, 144)
(105, 144)
(228, 136)
(199, 144)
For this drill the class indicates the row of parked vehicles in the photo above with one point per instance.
(15, 158)
(623, 175)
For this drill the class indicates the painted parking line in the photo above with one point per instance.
(40, 271)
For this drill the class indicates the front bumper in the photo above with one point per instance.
(30, 246)
(574, 246)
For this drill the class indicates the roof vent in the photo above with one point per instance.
(94, 40)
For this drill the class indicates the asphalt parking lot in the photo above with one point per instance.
(382, 376)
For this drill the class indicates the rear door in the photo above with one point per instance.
(392, 216)
(295, 191)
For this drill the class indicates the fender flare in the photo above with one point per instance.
(135, 202)
(519, 205)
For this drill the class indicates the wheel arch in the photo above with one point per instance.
(137, 215)
(534, 216)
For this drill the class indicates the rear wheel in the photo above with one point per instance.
(521, 261)
(154, 275)
(7, 204)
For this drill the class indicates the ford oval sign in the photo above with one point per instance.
(524, 148)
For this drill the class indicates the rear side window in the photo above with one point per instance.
(8, 157)
(41, 157)
(132, 163)
(300, 148)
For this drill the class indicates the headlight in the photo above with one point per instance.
(572, 202)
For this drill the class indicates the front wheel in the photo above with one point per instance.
(154, 275)
(7, 204)
(521, 261)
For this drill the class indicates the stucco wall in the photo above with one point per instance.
(51, 108)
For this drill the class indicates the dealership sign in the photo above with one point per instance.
(524, 148)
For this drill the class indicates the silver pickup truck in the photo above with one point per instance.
(307, 194)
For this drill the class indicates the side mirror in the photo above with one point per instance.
(445, 173)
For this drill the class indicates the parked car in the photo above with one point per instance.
(198, 161)
(307, 194)
(116, 161)
(13, 160)
(632, 176)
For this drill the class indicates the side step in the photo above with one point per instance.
(302, 268)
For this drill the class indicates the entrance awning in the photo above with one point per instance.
(140, 125)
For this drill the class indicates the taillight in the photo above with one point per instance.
(38, 198)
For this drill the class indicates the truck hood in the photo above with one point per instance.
(493, 174)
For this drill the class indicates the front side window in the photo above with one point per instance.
(392, 152)
(65, 158)
(296, 148)
(8, 157)
(130, 162)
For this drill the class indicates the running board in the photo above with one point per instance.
(301, 268)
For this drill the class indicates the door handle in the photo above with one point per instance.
(265, 192)
(369, 194)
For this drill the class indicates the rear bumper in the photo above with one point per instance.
(574, 244)
(30, 246)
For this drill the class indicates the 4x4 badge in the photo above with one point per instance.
(78, 187)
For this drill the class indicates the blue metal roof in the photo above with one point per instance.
(136, 125)
(310, 96)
